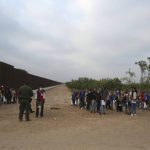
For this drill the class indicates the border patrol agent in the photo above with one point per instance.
(25, 93)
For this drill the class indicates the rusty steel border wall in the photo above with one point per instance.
(14, 78)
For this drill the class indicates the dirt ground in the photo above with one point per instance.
(65, 127)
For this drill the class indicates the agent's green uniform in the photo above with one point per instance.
(25, 93)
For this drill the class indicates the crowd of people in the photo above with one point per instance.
(7, 95)
(99, 101)
(24, 96)
(95, 101)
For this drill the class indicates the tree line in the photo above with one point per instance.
(116, 83)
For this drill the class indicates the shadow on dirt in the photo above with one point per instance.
(55, 108)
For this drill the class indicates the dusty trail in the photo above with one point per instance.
(68, 128)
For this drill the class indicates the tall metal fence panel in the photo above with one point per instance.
(14, 78)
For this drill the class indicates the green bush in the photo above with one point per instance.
(110, 84)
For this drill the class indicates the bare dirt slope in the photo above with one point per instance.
(68, 128)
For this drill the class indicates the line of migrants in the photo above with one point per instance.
(99, 101)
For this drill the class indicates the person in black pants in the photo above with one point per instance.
(40, 102)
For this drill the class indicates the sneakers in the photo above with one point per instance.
(133, 114)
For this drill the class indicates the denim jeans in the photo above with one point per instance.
(93, 106)
(142, 106)
(133, 108)
(102, 109)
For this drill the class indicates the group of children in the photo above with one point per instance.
(120, 101)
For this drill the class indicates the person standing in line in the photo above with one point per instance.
(40, 100)
(133, 102)
(142, 100)
(104, 95)
(88, 99)
(0, 98)
(14, 96)
(2, 88)
(25, 93)
(73, 98)
(102, 106)
(82, 99)
(8, 95)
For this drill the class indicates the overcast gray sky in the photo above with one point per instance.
(67, 39)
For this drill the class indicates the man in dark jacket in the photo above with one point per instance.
(25, 93)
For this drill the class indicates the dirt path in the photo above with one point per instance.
(68, 128)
